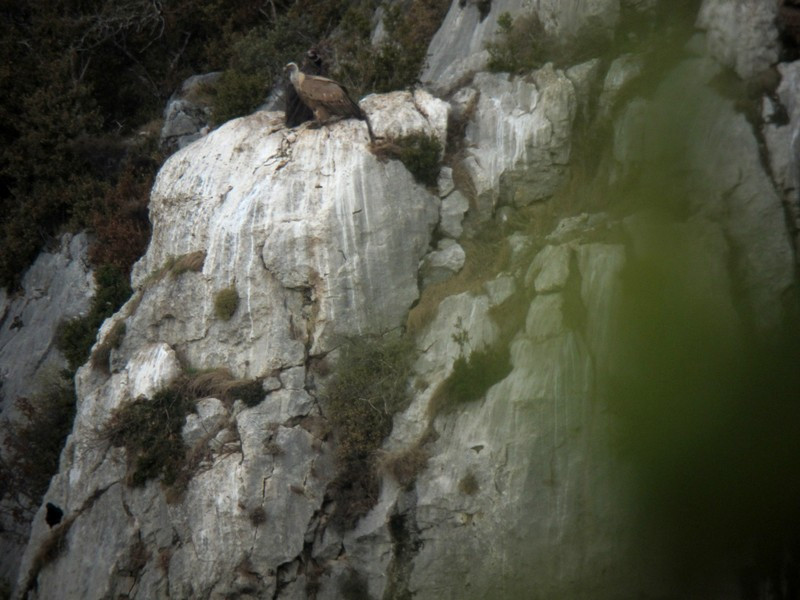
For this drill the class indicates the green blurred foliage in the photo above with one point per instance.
(708, 415)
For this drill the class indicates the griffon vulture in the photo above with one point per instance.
(325, 97)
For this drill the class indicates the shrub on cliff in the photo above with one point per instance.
(226, 301)
(150, 431)
(420, 153)
(32, 445)
(75, 337)
(150, 428)
(522, 44)
(397, 60)
(369, 386)
(471, 378)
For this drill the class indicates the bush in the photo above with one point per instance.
(523, 44)
(471, 378)
(237, 94)
(397, 61)
(75, 337)
(193, 261)
(406, 465)
(150, 432)
(420, 153)
(256, 62)
(32, 446)
(220, 384)
(225, 303)
(369, 386)
(120, 220)
(150, 429)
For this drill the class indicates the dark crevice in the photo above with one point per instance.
(406, 543)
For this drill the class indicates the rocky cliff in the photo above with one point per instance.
(273, 249)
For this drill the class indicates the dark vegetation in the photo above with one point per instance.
(369, 386)
(76, 337)
(420, 153)
(523, 44)
(471, 377)
(404, 466)
(150, 428)
(32, 446)
(84, 85)
(150, 431)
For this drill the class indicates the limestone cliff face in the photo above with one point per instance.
(57, 287)
(521, 495)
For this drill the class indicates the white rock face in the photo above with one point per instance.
(518, 143)
(57, 287)
(320, 240)
(741, 34)
(292, 219)
(782, 134)
(398, 114)
(442, 263)
(458, 50)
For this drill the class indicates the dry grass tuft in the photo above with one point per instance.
(193, 261)
(221, 384)
(404, 466)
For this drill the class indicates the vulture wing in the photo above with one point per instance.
(321, 91)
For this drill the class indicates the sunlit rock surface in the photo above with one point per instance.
(317, 235)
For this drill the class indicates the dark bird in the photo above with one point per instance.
(53, 515)
(297, 112)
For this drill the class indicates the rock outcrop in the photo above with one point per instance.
(458, 50)
(742, 35)
(321, 241)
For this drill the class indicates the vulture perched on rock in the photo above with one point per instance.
(325, 97)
